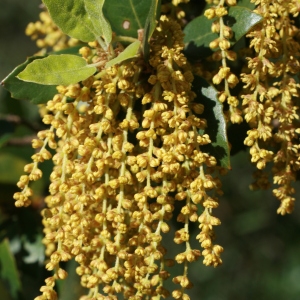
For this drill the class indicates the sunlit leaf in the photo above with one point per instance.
(33, 92)
(61, 69)
(150, 25)
(216, 124)
(130, 52)
(101, 25)
(127, 16)
(74, 19)
(22, 90)
(198, 34)
(8, 270)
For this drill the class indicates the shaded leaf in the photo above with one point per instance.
(8, 270)
(61, 69)
(150, 25)
(74, 20)
(197, 37)
(22, 90)
(216, 124)
(244, 3)
(241, 20)
(127, 16)
(247, 4)
(198, 34)
(130, 52)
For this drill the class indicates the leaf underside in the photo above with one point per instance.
(216, 124)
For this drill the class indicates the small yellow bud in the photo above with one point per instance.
(210, 13)
(221, 11)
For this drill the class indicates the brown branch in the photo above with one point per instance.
(20, 141)
(19, 121)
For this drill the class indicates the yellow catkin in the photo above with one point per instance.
(126, 150)
(128, 146)
(270, 108)
(225, 80)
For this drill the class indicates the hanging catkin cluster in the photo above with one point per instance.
(223, 54)
(270, 93)
(127, 147)
(270, 100)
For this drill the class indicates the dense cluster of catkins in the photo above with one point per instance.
(271, 99)
(270, 93)
(127, 147)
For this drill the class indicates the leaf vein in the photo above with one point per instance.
(135, 14)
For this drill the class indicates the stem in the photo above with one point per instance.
(128, 39)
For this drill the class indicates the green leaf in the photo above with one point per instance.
(216, 124)
(150, 25)
(198, 34)
(33, 92)
(8, 270)
(94, 9)
(22, 90)
(61, 69)
(74, 18)
(247, 4)
(197, 37)
(241, 20)
(127, 16)
(130, 52)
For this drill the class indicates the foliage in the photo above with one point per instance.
(145, 105)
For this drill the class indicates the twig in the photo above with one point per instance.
(20, 141)
(19, 121)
